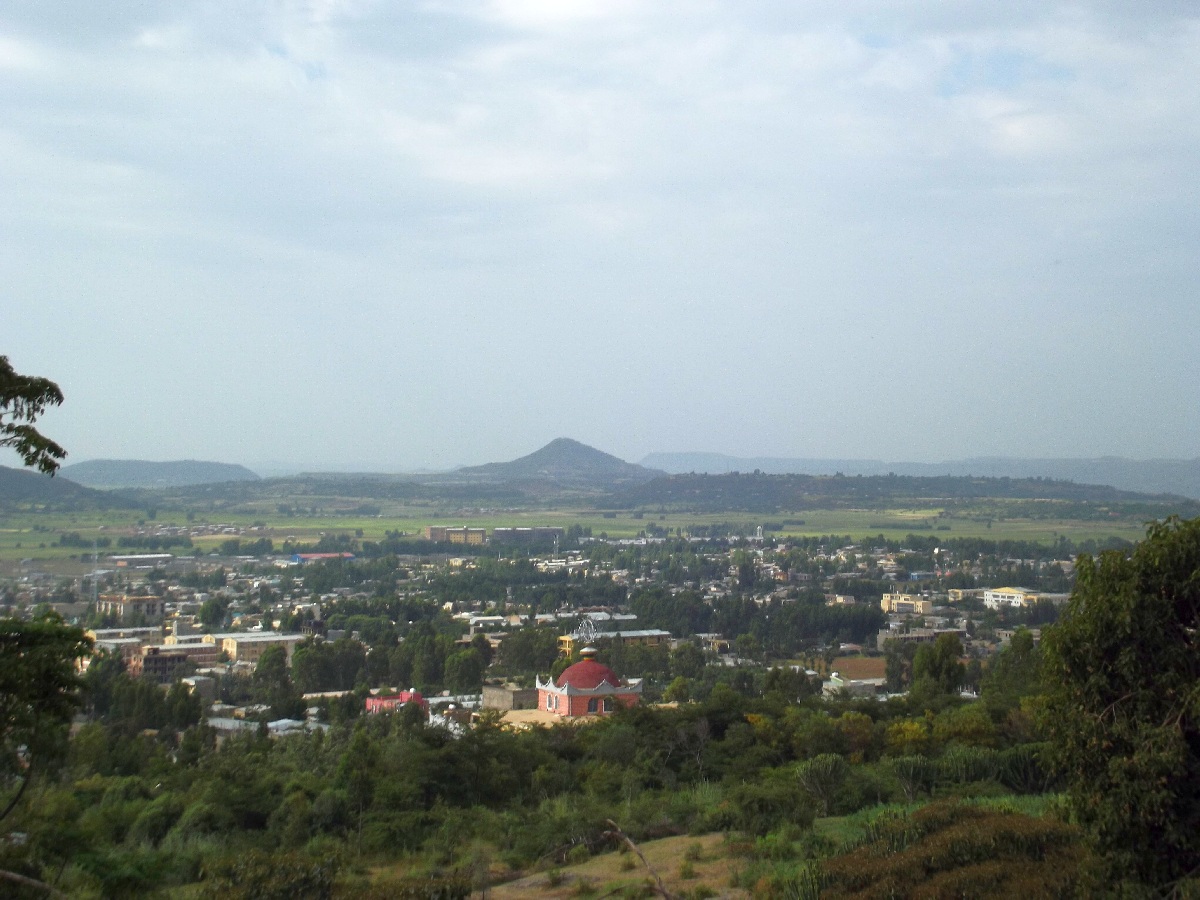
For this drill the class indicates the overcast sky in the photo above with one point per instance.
(399, 234)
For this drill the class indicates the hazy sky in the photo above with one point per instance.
(398, 234)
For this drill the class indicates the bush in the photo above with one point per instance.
(775, 799)
(578, 854)
(951, 849)
(255, 875)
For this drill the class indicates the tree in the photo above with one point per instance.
(687, 661)
(822, 777)
(273, 686)
(939, 665)
(22, 399)
(1014, 673)
(212, 613)
(464, 671)
(39, 692)
(1123, 704)
(899, 659)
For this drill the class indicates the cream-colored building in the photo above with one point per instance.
(650, 637)
(906, 603)
(130, 609)
(456, 535)
(250, 647)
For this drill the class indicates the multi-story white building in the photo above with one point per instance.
(1008, 596)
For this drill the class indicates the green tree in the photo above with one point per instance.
(1123, 704)
(39, 692)
(899, 659)
(212, 613)
(687, 661)
(529, 650)
(1015, 672)
(273, 686)
(464, 671)
(939, 666)
(822, 777)
(22, 399)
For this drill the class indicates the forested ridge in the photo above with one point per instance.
(759, 492)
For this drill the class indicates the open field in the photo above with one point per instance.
(711, 867)
(704, 865)
(34, 535)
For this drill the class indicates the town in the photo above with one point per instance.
(847, 616)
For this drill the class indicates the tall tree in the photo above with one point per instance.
(939, 665)
(22, 399)
(39, 692)
(1123, 682)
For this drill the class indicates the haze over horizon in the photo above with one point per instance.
(353, 235)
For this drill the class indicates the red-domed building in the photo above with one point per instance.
(588, 688)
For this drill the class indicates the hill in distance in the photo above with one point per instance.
(137, 473)
(19, 487)
(1146, 476)
(771, 493)
(566, 461)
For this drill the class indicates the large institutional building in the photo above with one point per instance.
(130, 609)
(588, 688)
(525, 536)
(444, 534)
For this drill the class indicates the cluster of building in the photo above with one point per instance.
(477, 537)
(149, 653)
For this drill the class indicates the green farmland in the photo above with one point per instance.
(35, 535)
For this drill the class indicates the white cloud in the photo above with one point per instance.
(655, 188)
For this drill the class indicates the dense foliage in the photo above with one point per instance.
(1124, 704)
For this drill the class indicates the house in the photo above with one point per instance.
(393, 702)
(306, 558)
(855, 687)
(588, 688)
(509, 696)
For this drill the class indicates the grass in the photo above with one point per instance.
(611, 872)
(848, 830)
(33, 534)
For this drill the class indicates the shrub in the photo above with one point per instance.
(776, 798)
(255, 875)
(950, 849)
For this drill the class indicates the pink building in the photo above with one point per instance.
(393, 702)
(588, 688)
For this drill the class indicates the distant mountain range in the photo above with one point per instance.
(1150, 476)
(138, 473)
